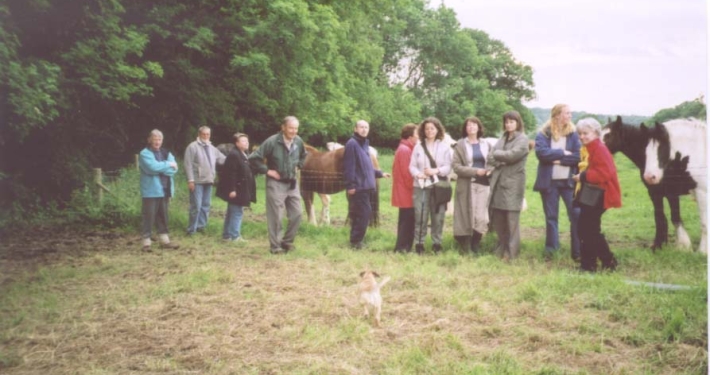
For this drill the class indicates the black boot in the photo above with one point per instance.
(464, 243)
(419, 248)
(437, 248)
(476, 242)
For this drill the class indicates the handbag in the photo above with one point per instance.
(589, 195)
(441, 192)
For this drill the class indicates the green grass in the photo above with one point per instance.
(88, 301)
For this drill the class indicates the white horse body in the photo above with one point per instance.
(688, 138)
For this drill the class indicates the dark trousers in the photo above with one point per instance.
(405, 229)
(359, 210)
(154, 211)
(593, 244)
(507, 227)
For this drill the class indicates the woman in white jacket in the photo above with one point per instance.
(425, 173)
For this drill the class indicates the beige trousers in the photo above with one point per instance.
(479, 207)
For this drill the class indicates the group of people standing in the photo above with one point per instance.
(489, 192)
(158, 168)
(279, 157)
(490, 185)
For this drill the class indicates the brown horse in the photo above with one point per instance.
(323, 173)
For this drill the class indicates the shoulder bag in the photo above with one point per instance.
(589, 195)
(441, 193)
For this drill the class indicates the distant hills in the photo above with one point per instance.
(543, 114)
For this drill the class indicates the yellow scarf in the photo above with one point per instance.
(583, 164)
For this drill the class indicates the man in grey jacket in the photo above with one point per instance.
(201, 159)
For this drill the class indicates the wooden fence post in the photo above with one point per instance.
(97, 184)
(138, 166)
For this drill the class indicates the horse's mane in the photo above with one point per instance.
(310, 149)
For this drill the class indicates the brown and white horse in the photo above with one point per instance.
(322, 173)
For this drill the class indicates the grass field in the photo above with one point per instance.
(75, 299)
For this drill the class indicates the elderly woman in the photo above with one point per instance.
(557, 150)
(431, 161)
(601, 172)
(472, 187)
(508, 159)
(157, 167)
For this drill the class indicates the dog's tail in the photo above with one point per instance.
(383, 282)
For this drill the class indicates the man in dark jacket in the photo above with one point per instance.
(279, 157)
(359, 175)
(237, 187)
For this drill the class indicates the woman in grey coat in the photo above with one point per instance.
(472, 186)
(508, 184)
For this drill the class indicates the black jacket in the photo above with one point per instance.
(236, 175)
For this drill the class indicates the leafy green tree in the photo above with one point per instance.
(693, 108)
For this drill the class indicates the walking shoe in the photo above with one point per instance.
(357, 246)
(611, 266)
(419, 248)
(169, 246)
(277, 251)
(287, 247)
(437, 248)
(241, 241)
(146, 249)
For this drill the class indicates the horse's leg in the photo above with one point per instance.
(325, 210)
(307, 196)
(661, 223)
(701, 198)
(682, 238)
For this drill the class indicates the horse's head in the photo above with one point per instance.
(613, 135)
(658, 152)
(226, 148)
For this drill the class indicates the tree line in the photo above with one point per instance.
(82, 82)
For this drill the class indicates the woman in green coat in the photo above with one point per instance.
(507, 182)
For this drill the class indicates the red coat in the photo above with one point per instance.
(402, 180)
(602, 171)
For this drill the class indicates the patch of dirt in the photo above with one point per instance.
(26, 251)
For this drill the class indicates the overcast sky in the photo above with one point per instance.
(601, 56)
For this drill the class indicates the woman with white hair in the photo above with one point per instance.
(157, 166)
(601, 174)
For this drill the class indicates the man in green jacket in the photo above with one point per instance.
(278, 157)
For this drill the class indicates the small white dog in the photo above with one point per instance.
(370, 296)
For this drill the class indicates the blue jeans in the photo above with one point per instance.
(551, 206)
(233, 222)
(200, 200)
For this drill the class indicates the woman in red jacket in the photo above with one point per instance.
(403, 188)
(601, 172)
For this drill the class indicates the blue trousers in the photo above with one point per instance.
(551, 206)
(200, 200)
(233, 222)
(360, 211)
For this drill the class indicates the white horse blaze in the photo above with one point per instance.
(652, 174)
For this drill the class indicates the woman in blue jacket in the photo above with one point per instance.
(557, 149)
(157, 167)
